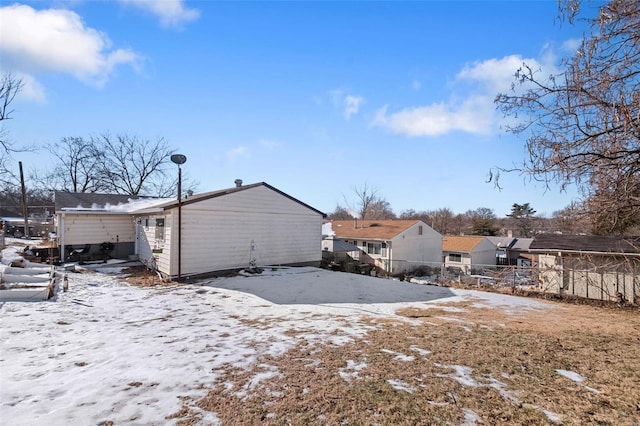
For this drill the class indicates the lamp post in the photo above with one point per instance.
(179, 159)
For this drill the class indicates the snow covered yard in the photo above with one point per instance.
(300, 346)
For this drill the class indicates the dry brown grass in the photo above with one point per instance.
(512, 360)
(142, 276)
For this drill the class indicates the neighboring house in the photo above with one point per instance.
(512, 251)
(594, 267)
(468, 252)
(86, 221)
(211, 232)
(394, 246)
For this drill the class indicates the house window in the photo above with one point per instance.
(374, 248)
(384, 250)
(455, 257)
(419, 229)
(160, 228)
(146, 222)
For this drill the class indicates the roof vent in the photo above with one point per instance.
(238, 183)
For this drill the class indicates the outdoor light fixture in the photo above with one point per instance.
(179, 159)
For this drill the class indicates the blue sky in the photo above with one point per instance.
(314, 98)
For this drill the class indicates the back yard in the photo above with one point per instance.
(310, 346)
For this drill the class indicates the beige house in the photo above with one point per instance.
(394, 246)
(595, 267)
(222, 230)
(465, 253)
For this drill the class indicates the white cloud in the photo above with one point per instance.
(270, 144)
(470, 107)
(572, 45)
(238, 152)
(350, 104)
(34, 41)
(437, 119)
(31, 89)
(172, 13)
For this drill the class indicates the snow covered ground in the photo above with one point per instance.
(108, 351)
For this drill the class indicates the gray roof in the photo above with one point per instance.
(214, 194)
(586, 243)
(343, 246)
(71, 200)
(88, 200)
(517, 244)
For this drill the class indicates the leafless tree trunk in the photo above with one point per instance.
(77, 169)
(128, 165)
(10, 86)
(583, 125)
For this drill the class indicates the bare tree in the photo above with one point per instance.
(571, 220)
(583, 125)
(10, 86)
(340, 213)
(368, 204)
(76, 169)
(128, 165)
(381, 210)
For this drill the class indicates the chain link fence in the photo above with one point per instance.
(610, 280)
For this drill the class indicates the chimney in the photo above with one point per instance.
(355, 223)
(238, 183)
(510, 233)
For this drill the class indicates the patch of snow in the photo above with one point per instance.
(510, 304)
(422, 352)
(401, 386)
(592, 390)
(462, 374)
(327, 229)
(399, 356)
(553, 417)
(351, 371)
(269, 373)
(470, 418)
(570, 375)
(502, 390)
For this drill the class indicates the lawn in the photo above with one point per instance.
(309, 346)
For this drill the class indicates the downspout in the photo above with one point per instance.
(389, 257)
(62, 253)
(136, 247)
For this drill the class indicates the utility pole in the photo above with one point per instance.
(24, 202)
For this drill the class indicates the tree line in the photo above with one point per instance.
(521, 221)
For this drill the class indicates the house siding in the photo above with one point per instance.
(149, 245)
(219, 233)
(416, 249)
(96, 229)
(597, 279)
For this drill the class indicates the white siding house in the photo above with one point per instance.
(228, 229)
(394, 246)
(84, 221)
(205, 233)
